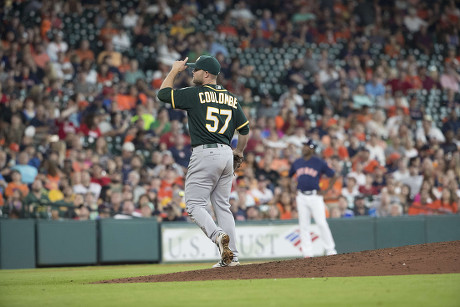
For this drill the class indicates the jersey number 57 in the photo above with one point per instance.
(211, 115)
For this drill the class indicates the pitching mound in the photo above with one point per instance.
(432, 258)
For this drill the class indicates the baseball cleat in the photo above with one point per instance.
(331, 252)
(221, 264)
(226, 255)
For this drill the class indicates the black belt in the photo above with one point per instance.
(210, 146)
(312, 192)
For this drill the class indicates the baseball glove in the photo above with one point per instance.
(237, 161)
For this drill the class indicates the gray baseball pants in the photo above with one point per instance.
(209, 177)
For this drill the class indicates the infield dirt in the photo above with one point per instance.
(431, 258)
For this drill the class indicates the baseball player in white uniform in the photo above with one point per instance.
(306, 173)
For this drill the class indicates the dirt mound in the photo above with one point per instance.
(432, 258)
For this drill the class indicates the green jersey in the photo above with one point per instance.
(37, 207)
(213, 113)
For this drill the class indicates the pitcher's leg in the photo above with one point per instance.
(304, 224)
(319, 214)
(200, 181)
(220, 201)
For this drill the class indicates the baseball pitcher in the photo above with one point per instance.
(306, 173)
(213, 116)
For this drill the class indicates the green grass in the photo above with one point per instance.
(70, 287)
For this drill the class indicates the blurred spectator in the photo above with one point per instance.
(451, 123)
(134, 73)
(262, 194)
(267, 108)
(379, 89)
(285, 206)
(449, 146)
(396, 209)
(360, 98)
(121, 41)
(146, 210)
(28, 173)
(103, 211)
(111, 54)
(379, 178)
(273, 213)
(16, 184)
(412, 22)
(375, 87)
(180, 151)
(40, 57)
(241, 11)
(40, 122)
(423, 40)
(128, 211)
(358, 174)
(161, 125)
(115, 202)
(350, 191)
(332, 193)
(383, 204)
(216, 48)
(169, 137)
(36, 203)
(291, 99)
(429, 132)
(16, 132)
(254, 214)
(242, 196)
(448, 202)
(415, 179)
(426, 205)
(376, 149)
(342, 209)
(83, 213)
(238, 213)
(166, 51)
(336, 148)
(84, 52)
(173, 213)
(130, 19)
(134, 181)
(86, 185)
(402, 171)
(377, 124)
(63, 68)
(56, 46)
(360, 208)
(108, 31)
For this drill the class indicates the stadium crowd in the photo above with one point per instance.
(374, 83)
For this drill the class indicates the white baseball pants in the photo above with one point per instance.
(309, 206)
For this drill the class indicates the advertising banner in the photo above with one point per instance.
(185, 244)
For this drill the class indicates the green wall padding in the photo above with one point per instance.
(399, 231)
(353, 234)
(17, 244)
(440, 228)
(136, 240)
(66, 242)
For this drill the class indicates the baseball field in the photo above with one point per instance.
(418, 275)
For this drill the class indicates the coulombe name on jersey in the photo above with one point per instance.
(220, 98)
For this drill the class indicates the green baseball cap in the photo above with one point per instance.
(207, 63)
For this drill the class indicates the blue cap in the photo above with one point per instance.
(310, 143)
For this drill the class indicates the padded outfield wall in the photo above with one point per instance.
(31, 243)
